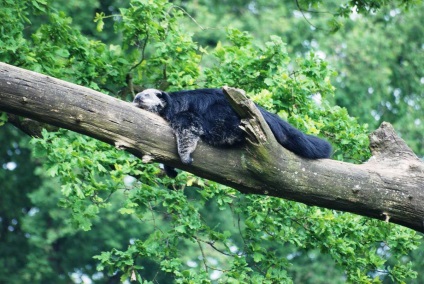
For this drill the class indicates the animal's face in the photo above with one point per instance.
(151, 100)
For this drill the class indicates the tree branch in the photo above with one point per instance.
(388, 187)
(29, 126)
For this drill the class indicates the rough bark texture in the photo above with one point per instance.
(388, 187)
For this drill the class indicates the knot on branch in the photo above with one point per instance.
(252, 122)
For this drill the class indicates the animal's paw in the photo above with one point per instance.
(186, 159)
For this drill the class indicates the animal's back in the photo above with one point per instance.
(219, 121)
(197, 101)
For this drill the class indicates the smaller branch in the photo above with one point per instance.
(306, 19)
(143, 50)
(129, 78)
(313, 11)
(191, 17)
(130, 84)
(219, 250)
(241, 234)
(203, 253)
(153, 216)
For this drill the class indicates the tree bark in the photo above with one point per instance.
(388, 187)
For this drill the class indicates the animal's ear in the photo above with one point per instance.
(162, 95)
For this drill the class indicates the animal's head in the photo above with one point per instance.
(151, 99)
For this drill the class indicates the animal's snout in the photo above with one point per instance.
(137, 100)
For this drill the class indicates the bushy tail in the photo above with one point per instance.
(307, 146)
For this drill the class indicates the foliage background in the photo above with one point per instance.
(66, 198)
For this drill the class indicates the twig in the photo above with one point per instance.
(306, 19)
(143, 49)
(191, 18)
(203, 253)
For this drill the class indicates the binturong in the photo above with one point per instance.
(207, 114)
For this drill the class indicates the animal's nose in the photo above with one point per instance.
(136, 101)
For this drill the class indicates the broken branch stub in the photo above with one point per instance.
(252, 122)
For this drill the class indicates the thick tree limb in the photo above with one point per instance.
(388, 187)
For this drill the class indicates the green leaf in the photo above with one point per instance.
(53, 170)
(258, 257)
(3, 118)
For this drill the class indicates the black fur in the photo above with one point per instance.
(207, 114)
